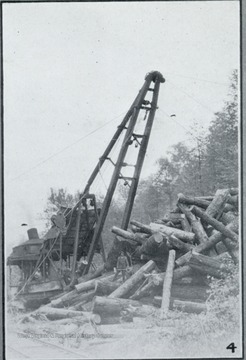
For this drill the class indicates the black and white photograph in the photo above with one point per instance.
(122, 180)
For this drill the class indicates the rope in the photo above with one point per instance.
(65, 148)
(203, 80)
(190, 96)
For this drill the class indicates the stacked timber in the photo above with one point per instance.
(173, 259)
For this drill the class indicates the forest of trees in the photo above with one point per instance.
(210, 163)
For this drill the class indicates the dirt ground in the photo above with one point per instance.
(143, 338)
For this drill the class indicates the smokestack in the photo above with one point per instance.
(32, 234)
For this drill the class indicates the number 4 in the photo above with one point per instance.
(231, 347)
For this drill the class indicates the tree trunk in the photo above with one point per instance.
(80, 306)
(175, 243)
(167, 284)
(233, 191)
(231, 250)
(185, 291)
(207, 265)
(233, 200)
(107, 307)
(199, 202)
(215, 223)
(144, 228)
(90, 284)
(188, 200)
(133, 280)
(154, 245)
(185, 224)
(106, 287)
(157, 280)
(227, 218)
(156, 259)
(82, 298)
(189, 306)
(65, 299)
(127, 235)
(218, 203)
(196, 225)
(215, 238)
(56, 314)
(109, 320)
(182, 235)
(189, 292)
(175, 218)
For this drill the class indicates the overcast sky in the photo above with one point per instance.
(70, 68)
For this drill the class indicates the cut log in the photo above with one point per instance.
(233, 200)
(215, 223)
(82, 298)
(78, 307)
(185, 224)
(208, 197)
(232, 250)
(207, 265)
(90, 284)
(185, 291)
(215, 238)
(171, 225)
(218, 203)
(157, 280)
(196, 225)
(173, 217)
(227, 218)
(141, 311)
(154, 245)
(133, 280)
(105, 306)
(167, 284)
(56, 314)
(182, 235)
(144, 291)
(127, 235)
(189, 292)
(188, 200)
(199, 202)
(65, 299)
(85, 286)
(134, 228)
(175, 243)
(109, 320)
(74, 320)
(86, 306)
(216, 208)
(85, 317)
(233, 191)
(144, 228)
(156, 259)
(106, 287)
(189, 306)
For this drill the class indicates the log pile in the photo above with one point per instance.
(173, 258)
